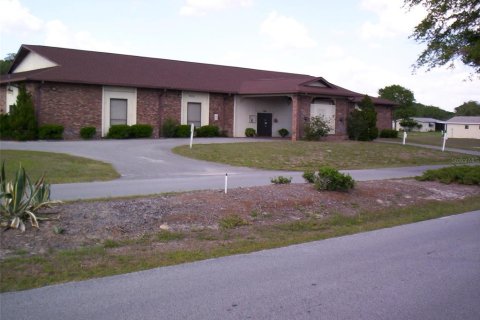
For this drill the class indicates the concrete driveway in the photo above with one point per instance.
(149, 167)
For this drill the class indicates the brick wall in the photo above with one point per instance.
(72, 105)
(384, 117)
(148, 109)
(222, 105)
(342, 109)
(170, 101)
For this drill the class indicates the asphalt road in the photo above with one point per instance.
(426, 270)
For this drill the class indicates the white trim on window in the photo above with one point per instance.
(130, 94)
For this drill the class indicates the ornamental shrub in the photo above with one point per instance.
(5, 131)
(316, 128)
(332, 180)
(119, 131)
(250, 132)
(141, 131)
(388, 133)
(169, 128)
(50, 132)
(88, 133)
(309, 176)
(408, 124)
(281, 180)
(362, 122)
(469, 175)
(283, 132)
(22, 121)
(182, 131)
(208, 131)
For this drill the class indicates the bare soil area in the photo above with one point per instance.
(92, 222)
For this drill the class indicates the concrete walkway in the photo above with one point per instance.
(149, 167)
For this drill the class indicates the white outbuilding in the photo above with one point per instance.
(463, 127)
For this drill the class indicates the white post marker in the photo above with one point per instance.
(404, 136)
(192, 129)
(226, 182)
(444, 140)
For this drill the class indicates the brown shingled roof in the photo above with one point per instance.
(80, 66)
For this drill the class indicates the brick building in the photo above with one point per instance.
(77, 88)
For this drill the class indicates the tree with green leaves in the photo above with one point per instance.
(470, 108)
(451, 31)
(6, 63)
(22, 120)
(424, 111)
(401, 95)
(362, 121)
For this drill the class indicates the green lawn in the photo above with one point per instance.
(58, 167)
(302, 155)
(435, 139)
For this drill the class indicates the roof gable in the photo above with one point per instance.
(29, 60)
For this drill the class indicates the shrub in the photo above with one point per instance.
(88, 133)
(169, 128)
(281, 180)
(182, 131)
(283, 132)
(50, 132)
(20, 199)
(309, 176)
(408, 123)
(250, 132)
(388, 133)
(208, 131)
(469, 175)
(362, 123)
(5, 131)
(232, 221)
(316, 128)
(332, 180)
(119, 131)
(22, 121)
(141, 131)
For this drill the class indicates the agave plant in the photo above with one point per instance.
(20, 199)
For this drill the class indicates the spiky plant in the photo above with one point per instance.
(20, 199)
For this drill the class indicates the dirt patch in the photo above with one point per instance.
(92, 222)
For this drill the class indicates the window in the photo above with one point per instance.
(118, 111)
(194, 114)
(466, 126)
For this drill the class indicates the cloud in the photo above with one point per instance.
(392, 19)
(15, 18)
(202, 7)
(285, 32)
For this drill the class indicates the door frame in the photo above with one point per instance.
(261, 117)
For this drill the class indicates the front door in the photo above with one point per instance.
(264, 124)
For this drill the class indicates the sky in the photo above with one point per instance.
(361, 45)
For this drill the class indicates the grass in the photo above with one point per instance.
(301, 155)
(26, 272)
(436, 139)
(58, 167)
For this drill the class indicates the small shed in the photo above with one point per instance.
(463, 127)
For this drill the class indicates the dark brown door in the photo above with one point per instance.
(264, 124)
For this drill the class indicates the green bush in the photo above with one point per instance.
(316, 128)
(169, 128)
(283, 132)
(332, 180)
(469, 175)
(408, 123)
(50, 132)
(5, 131)
(88, 133)
(362, 122)
(141, 131)
(250, 132)
(182, 131)
(281, 180)
(119, 131)
(22, 121)
(388, 133)
(232, 221)
(309, 176)
(208, 131)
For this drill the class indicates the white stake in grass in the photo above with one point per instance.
(404, 136)
(444, 140)
(192, 129)
(226, 182)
